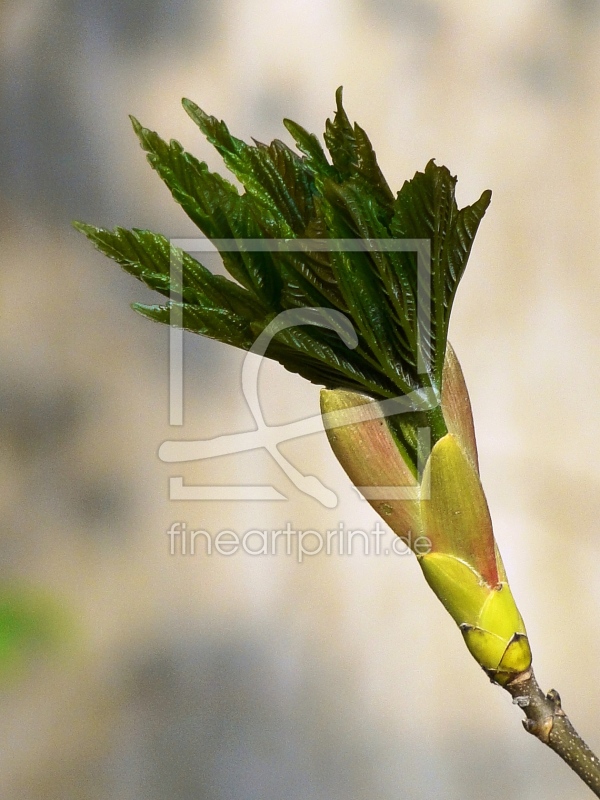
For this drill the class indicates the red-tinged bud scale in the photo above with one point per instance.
(448, 506)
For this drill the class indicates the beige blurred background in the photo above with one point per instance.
(251, 678)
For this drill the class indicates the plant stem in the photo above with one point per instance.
(547, 721)
(437, 423)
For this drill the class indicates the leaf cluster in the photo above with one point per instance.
(400, 312)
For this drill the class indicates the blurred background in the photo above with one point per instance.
(127, 673)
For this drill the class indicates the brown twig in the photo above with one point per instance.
(547, 721)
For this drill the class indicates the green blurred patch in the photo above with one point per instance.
(33, 624)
